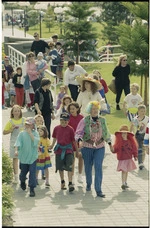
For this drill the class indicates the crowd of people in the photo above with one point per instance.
(82, 132)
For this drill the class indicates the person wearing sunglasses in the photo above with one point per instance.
(122, 82)
(39, 45)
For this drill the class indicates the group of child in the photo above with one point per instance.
(34, 137)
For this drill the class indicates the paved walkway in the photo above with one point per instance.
(54, 207)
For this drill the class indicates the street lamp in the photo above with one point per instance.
(12, 21)
(40, 25)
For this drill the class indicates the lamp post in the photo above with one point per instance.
(12, 21)
(40, 26)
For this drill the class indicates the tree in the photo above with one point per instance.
(112, 14)
(79, 32)
(49, 17)
(134, 41)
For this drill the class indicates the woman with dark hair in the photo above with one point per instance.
(43, 101)
(122, 82)
(70, 75)
(89, 92)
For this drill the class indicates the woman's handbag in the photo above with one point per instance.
(112, 86)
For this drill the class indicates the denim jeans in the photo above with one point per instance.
(31, 168)
(93, 156)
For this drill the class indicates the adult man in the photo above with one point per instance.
(39, 45)
(70, 75)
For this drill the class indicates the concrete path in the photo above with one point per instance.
(55, 207)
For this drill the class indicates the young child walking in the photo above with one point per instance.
(19, 86)
(13, 127)
(131, 102)
(43, 161)
(60, 96)
(39, 120)
(26, 148)
(126, 147)
(63, 134)
(75, 117)
(41, 64)
(138, 126)
(63, 107)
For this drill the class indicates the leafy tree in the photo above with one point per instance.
(134, 41)
(79, 32)
(49, 17)
(112, 14)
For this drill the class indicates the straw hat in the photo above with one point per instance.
(80, 80)
(124, 128)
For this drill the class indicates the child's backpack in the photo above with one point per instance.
(57, 60)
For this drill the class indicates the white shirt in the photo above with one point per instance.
(69, 76)
(132, 101)
(11, 84)
(85, 97)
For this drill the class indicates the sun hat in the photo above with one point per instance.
(64, 116)
(124, 129)
(40, 54)
(30, 120)
(80, 80)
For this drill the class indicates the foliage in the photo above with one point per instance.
(112, 14)
(7, 201)
(134, 40)
(49, 18)
(7, 169)
(79, 33)
(33, 17)
(7, 191)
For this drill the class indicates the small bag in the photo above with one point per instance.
(112, 86)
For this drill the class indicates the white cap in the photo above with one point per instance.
(40, 54)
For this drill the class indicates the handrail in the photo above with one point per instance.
(17, 58)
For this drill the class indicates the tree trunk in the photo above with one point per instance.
(141, 87)
(77, 58)
(145, 90)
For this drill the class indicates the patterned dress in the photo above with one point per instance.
(43, 161)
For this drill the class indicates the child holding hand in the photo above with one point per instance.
(126, 147)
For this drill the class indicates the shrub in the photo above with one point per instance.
(7, 201)
(7, 169)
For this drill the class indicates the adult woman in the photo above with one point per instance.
(89, 92)
(91, 134)
(70, 74)
(43, 101)
(121, 73)
(31, 70)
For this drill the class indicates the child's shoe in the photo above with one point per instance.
(63, 187)
(32, 192)
(47, 184)
(15, 179)
(71, 188)
(123, 187)
(80, 179)
(23, 186)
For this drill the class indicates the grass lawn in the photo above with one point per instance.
(116, 118)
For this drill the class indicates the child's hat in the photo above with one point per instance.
(123, 128)
(40, 54)
(6, 57)
(30, 120)
(64, 116)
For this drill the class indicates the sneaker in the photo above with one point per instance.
(63, 187)
(47, 184)
(15, 179)
(141, 166)
(88, 188)
(80, 179)
(23, 186)
(126, 185)
(118, 107)
(32, 192)
(71, 188)
(43, 177)
(100, 194)
(123, 187)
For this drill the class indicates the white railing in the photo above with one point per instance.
(17, 58)
(108, 56)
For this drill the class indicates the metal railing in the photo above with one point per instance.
(17, 58)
